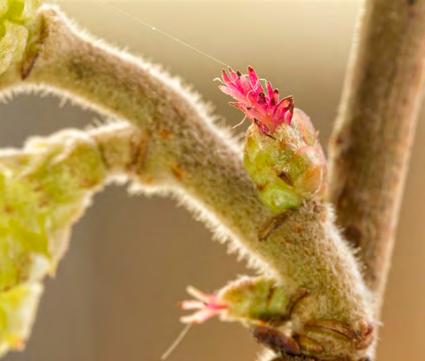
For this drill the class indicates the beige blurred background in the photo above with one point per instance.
(115, 295)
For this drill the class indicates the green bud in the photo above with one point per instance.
(287, 166)
(254, 300)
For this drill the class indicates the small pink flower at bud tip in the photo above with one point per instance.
(260, 104)
(207, 306)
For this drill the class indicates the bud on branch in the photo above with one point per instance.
(282, 153)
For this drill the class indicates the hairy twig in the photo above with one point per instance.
(371, 143)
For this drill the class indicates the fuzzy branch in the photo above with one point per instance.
(371, 143)
(176, 147)
(182, 151)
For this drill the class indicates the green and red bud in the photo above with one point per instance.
(282, 153)
(248, 300)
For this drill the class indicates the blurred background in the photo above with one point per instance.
(116, 292)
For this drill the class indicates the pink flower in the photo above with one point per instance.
(207, 306)
(262, 106)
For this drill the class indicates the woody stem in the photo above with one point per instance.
(371, 142)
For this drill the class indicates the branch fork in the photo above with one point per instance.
(170, 142)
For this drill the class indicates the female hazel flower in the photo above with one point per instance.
(206, 306)
(262, 107)
(248, 300)
(282, 154)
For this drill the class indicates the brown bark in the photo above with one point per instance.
(371, 143)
